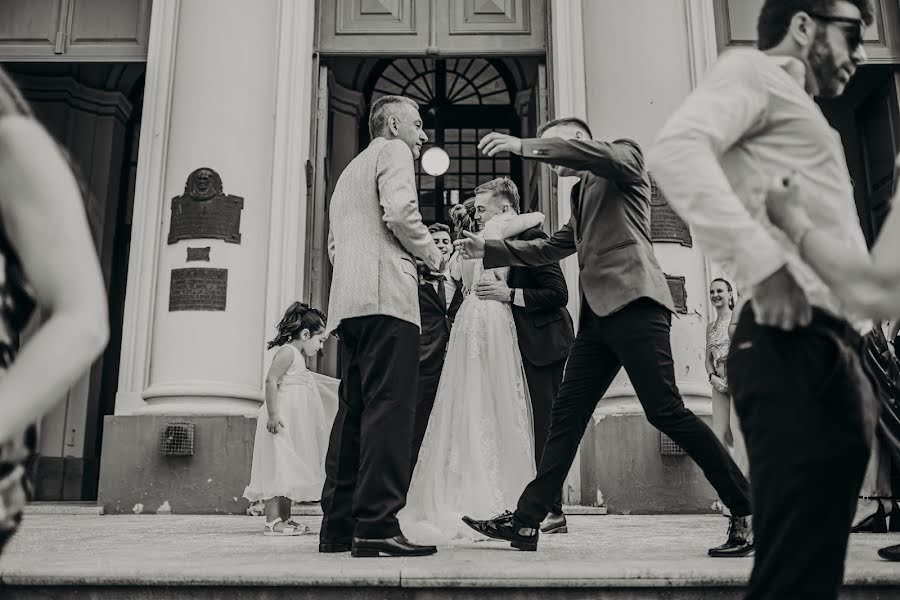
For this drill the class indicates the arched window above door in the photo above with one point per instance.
(455, 81)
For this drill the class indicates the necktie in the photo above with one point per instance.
(440, 288)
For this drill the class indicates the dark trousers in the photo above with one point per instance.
(543, 386)
(429, 378)
(367, 465)
(637, 338)
(806, 409)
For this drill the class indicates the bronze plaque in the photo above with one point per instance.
(198, 289)
(198, 254)
(665, 225)
(205, 211)
(679, 293)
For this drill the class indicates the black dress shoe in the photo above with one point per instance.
(395, 546)
(333, 547)
(740, 539)
(874, 523)
(894, 521)
(506, 527)
(890, 553)
(555, 524)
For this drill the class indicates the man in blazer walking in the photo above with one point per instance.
(626, 310)
(376, 231)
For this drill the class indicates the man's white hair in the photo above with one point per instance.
(385, 107)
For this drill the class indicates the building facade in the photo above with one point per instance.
(212, 133)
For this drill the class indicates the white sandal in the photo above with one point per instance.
(269, 529)
(298, 526)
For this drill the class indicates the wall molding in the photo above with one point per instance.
(77, 95)
(287, 220)
(567, 72)
(703, 49)
(147, 220)
(569, 99)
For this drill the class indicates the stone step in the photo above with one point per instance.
(131, 557)
(63, 508)
(302, 510)
(310, 510)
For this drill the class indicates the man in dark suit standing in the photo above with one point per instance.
(439, 300)
(538, 297)
(626, 310)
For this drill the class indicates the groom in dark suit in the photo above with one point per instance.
(626, 312)
(439, 300)
(538, 297)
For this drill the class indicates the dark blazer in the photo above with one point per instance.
(543, 325)
(609, 227)
(436, 322)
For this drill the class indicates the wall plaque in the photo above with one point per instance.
(679, 293)
(198, 288)
(198, 254)
(205, 211)
(665, 225)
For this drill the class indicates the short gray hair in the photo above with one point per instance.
(501, 188)
(383, 108)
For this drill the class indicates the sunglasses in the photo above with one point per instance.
(854, 35)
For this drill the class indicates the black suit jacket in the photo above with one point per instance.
(543, 325)
(609, 227)
(436, 322)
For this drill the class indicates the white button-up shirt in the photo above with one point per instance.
(749, 121)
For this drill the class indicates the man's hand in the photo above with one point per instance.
(495, 142)
(470, 245)
(778, 301)
(785, 208)
(492, 290)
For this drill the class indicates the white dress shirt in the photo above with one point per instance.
(749, 121)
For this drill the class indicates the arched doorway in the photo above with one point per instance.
(461, 99)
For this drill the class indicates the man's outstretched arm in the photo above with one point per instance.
(531, 253)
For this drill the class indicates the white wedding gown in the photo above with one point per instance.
(478, 452)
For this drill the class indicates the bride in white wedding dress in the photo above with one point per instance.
(478, 451)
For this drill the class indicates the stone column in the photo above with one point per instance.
(234, 98)
(212, 93)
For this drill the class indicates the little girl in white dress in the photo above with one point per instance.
(292, 427)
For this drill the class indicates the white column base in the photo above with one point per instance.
(201, 398)
(623, 400)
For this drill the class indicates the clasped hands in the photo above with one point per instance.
(718, 383)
